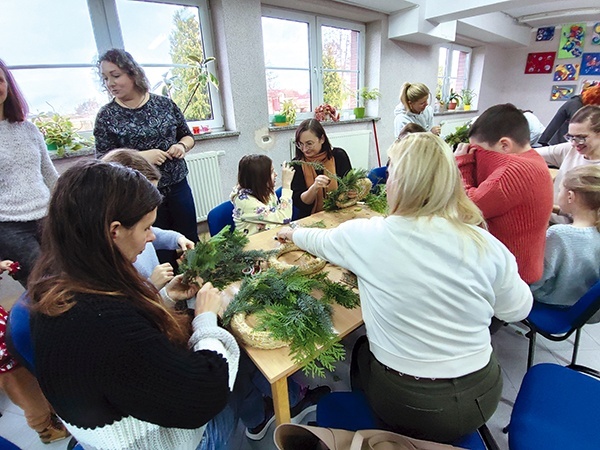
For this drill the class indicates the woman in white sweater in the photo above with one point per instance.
(27, 176)
(430, 280)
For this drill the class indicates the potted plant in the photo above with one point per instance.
(289, 111)
(467, 97)
(364, 95)
(59, 133)
(453, 100)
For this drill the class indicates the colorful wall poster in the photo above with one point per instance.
(571, 41)
(540, 62)
(566, 72)
(544, 34)
(590, 64)
(561, 92)
(596, 34)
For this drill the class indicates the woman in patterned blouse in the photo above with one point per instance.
(155, 126)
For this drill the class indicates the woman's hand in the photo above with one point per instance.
(285, 234)
(436, 130)
(185, 244)
(155, 156)
(208, 299)
(5, 265)
(161, 275)
(321, 181)
(177, 290)
(177, 150)
(287, 174)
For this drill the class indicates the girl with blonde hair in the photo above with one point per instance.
(414, 108)
(430, 280)
(572, 256)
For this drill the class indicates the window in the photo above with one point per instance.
(453, 69)
(56, 75)
(311, 60)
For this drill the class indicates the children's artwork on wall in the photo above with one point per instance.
(590, 64)
(540, 62)
(571, 41)
(544, 34)
(566, 72)
(561, 92)
(596, 34)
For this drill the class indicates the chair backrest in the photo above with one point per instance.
(219, 217)
(554, 410)
(589, 303)
(18, 333)
(295, 210)
(378, 175)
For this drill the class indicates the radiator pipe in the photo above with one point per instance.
(376, 143)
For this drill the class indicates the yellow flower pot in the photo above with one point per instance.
(467, 107)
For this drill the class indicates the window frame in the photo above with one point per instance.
(446, 77)
(315, 47)
(106, 29)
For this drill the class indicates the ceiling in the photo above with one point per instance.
(505, 22)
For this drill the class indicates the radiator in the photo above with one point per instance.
(356, 144)
(205, 181)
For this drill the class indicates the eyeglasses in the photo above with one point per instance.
(575, 139)
(306, 145)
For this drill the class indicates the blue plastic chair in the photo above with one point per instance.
(219, 217)
(295, 210)
(558, 323)
(378, 175)
(555, 409)
(18, 333)
(351, 411)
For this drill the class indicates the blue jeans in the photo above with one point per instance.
(176, 212)
(20, 241)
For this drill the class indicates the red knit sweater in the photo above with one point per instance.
(514, 193)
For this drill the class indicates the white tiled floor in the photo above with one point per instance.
(510, 346)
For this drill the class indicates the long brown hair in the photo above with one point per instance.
(15, 106)
(254, 173)
(78, 253)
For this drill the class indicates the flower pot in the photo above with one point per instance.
(467, 107)
(359, 112)
(279, 118)
(452, 106)
(52, 147)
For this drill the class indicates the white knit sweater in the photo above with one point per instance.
(27, 174)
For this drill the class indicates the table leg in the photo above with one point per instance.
(281, 401)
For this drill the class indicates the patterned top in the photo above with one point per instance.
(7, 362)
(252, 216)
(157, 124)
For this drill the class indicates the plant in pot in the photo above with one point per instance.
(289, 111)
(453, 100)
(467, 97)
(59, 133)
(364, 95)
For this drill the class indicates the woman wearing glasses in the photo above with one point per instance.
(310, 185)
(582, 148)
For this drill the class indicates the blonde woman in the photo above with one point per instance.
(414, 108)
(430, 278)
(572, 256)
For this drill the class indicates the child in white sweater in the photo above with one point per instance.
(256, 207)
(572, 256)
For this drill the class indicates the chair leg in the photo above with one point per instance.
(576, 345)
(531, 335)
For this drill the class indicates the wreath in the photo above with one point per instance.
(284, 310)
(306, 268)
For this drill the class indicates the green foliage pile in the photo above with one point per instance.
(283, 305)
(461, 134)
(348, 182)
(220, 259)
(378, 201)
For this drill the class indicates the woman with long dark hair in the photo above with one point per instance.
(120, 367)
(311, 184)
(27, 176)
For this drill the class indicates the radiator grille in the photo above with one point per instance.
(205, 181)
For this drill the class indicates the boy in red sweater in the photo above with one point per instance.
(510, 183)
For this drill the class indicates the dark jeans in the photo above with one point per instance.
(20, 241)
(177, 212)
(441, 410)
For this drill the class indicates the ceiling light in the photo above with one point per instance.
(561, 14)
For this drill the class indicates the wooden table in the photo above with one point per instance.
(276, 365)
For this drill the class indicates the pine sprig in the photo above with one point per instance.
(284, 306)
(220, 259)
(348, 182)
(377, 201)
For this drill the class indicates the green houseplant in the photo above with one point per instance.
(364, 95)
(59, 133)
(453, 100)
(288, 109)
(467, 97)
